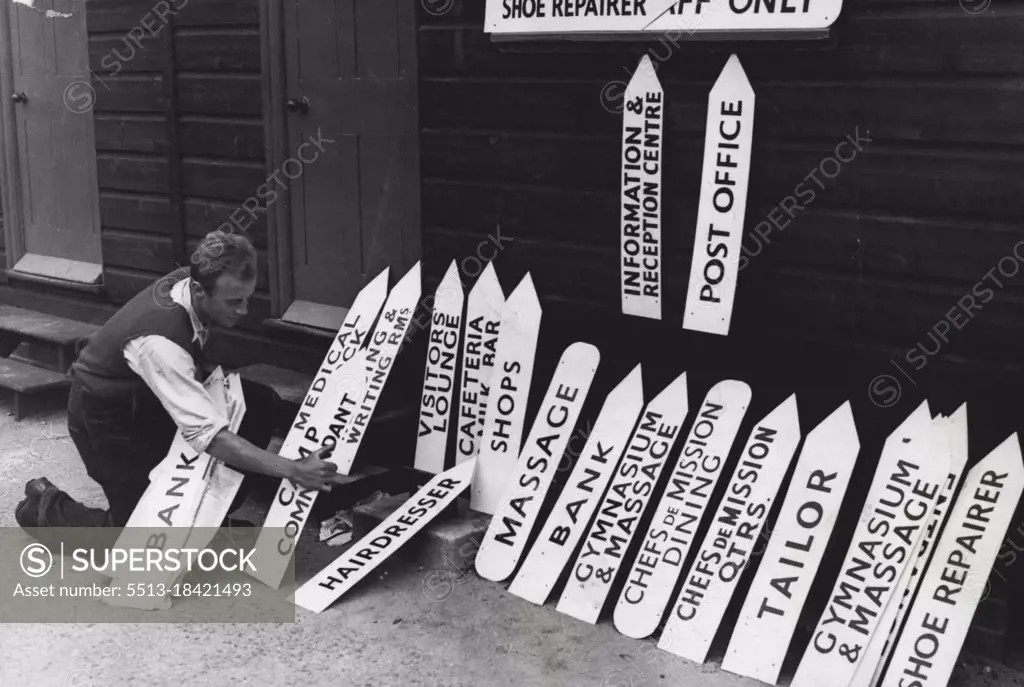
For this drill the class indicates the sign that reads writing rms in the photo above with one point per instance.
(578, 500)
(772, 607)
(479, 348)
(657, 567)
(505, 539)
(892, 522)
(656, 16)
(642, 124)
(714, 266)
(955, 579)
(361, 558)
(439, 376)
(506, 403)
(728, 545)
(622, 508)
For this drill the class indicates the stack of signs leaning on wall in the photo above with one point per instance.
(507, 397)
(729, 543)
(510, 528)
(723, 198)
(328, 403)
(642, 126)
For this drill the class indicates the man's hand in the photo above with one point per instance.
(313, 472)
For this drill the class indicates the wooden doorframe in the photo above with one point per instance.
(10, 175)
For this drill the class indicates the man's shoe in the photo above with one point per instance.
(37, 487)
(27, 512)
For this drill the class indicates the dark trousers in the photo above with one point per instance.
(120, 442)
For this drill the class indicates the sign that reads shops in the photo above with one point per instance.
(714, 266)
(642, 125)
(578, 500)
(729, 543)
(505, 540)
(795, 549)
(687, 495)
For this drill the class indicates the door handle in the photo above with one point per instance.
(298, 105)
(19, 97)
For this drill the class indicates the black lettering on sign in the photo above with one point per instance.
(440, 373)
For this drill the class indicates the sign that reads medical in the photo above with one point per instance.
(657, 568)
(642, 124)
(802, 530)
(955, 579)
(714, 266)
(578, 500)
(663, 17)
(889, 530)
(729, 543)
(439, 376)
(479, 348)
(361, 558)
(505, 540)
(506, 402)
(622, 508)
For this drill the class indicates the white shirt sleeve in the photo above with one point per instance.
(169, 371)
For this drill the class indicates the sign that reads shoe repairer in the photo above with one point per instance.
(506, 403)
(797, 544)
(657, 568)
(729, 543)
(955, 580)
(714, 266)
(479, 349)
(578, 500)
(622, 508)
(900, 499)
(505, 540)
(643, 117)
(661, 17)
(397, 529)
(439, 377)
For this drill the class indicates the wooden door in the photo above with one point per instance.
(59, 232)
(352, 136)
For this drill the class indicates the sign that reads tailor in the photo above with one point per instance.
(576, 504)
(505, 539)
(361, 558)
(656, 570)
(772, 607)
(955, 579)
(622, 508)
(439, 375)
(642, 124)
(714, 266)
(727, 547)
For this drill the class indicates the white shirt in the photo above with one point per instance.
(170, 372)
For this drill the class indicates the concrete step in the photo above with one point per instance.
(31, 385)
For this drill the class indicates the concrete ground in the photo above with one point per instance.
(402, 626)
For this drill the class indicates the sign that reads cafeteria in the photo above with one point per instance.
(656, 16)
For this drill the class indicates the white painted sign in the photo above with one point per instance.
(507, 398)
(622, 508)
(510, 528)
(955, 579)
(479, 349)
(578, 500)
(439, 376)
(678, 516)
(727, 547)
(714, 267)
(663, 17)
(802, 531)
(892, 522)
(643, 117)
(397, 529)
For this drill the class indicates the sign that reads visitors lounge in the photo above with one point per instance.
(642, 125)
(656, 16)
(714, 266)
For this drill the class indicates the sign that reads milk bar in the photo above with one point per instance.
(578, 500)
(642, 125)
(622, 508)
(728, 545)
(714, 266)
(657, 568)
